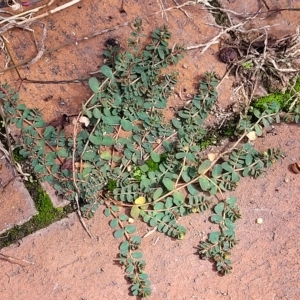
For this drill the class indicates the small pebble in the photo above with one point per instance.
(259, 220)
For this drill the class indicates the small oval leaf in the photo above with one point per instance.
(214, 236)
(107, 141)
(135, 212)
(48, 131)
(219, 208)
(62, 152)
(130, 229)
(204, 166)
(155, 156)
(107, 212)
(119, 233)
(124, 247)
(89, 155)
(106, 155)
(231, 201)
(216, 219)
(159, 206)
(168, 183)
(157, 193)
(137, 255)
(140, 200)
(94, 84)
(126, 125)
(97, 113)
(204, 183)
(192, 190)
(96, 140)
(217, 170)
(258, 129)
(113, 223)
(178, 198)
(106, 70)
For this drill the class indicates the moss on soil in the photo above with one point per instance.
(283, 99)
(17, 156)
(216, 135)
(47, 214)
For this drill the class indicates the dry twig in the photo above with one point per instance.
(160, 3)
(15, 260)
(93, 34)
(24, 21)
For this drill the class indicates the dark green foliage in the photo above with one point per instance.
(111, 184)
(17, 156)
(152, 165)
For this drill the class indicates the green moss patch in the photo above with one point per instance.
(47, 214)
(282, 99)
(17, 156)
(279, 98)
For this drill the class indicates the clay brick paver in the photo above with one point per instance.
(57, 201)
(278, 23)
(16, 205)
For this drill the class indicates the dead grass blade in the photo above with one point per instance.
(42, 45)
(15, 260)
(24, 21)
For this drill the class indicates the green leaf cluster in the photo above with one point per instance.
(130, 256)
(219, 244)
(129, 155)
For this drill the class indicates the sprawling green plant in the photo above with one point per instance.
(123, 153)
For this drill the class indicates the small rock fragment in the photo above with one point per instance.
(259, 220)
(252, 136)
